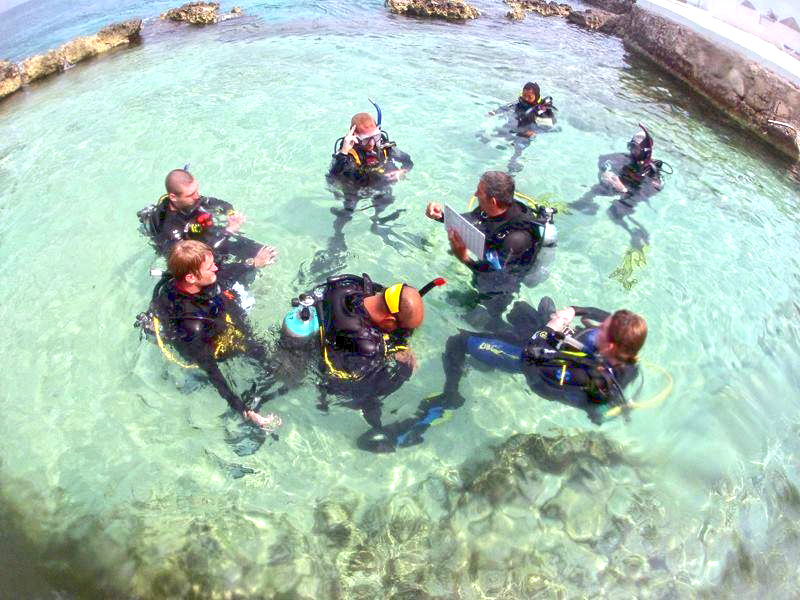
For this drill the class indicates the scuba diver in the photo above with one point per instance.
(514, 234)
(634, 177)
(201, 317)
(590, 363)
(182, 213)
(364, 166)
(531, 113)
(360, 330)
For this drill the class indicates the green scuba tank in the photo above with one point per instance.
(301, 323)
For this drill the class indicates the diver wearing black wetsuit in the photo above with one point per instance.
(568, 369)
(514, 237)
(205, 223)
(356, 353)
(530, 114)
(635, 177)
(206, 328)
(363, 167)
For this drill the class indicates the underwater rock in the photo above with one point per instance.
(596, 20)
(10, 78)
(746, 91)
(81, 48)
(520, 8)
(454, 10)
(196, 13)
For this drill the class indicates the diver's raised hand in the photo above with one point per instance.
(434, 211)
(266, 256)
(349, 141)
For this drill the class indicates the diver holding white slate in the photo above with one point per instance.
(512, 232)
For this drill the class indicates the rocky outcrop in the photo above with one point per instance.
(618, 7)
(596, 20)
(520, 8)
(81, 48)
(196, 13)
(454, 10)
(746, 91)
(10, 78)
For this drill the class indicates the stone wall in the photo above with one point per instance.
(746, 91)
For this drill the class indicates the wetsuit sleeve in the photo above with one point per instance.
(591, 313)
(343, 166)
(195, 346)
(401, 158)
(217, 204)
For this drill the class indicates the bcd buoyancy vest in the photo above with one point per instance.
(351, 344)
(518, 217)
(634, 174)
(562, 366)
(178, 316)
(372, 162)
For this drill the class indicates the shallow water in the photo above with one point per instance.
(123, 478)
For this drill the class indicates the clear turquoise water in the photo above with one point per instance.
(119, 479)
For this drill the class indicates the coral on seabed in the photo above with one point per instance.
(456, 10)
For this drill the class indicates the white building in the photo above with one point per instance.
(784, 34)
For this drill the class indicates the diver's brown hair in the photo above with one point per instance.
(186, 257)
(627, 331)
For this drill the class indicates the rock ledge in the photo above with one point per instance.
(454, 10)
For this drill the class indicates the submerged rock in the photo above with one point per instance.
(10, 78)
(520, 8)
(595, 19)
(81, 48)
(455, 10)
(196, 13)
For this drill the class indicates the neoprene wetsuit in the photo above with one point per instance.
(513, 241)
(202, 223)
(356, 353)
(206, 328)
(522, 349)
(368, 169)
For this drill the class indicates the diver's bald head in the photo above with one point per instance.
(176, 180)
(412, 309)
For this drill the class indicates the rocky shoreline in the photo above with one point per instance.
(14, 77)
(762, 101)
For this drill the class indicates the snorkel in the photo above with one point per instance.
(439, 281)
(391, 294)
(378, 109)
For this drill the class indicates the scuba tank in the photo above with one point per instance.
(301, 323)
(549, 231)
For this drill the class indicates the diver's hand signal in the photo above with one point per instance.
(349, 140)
